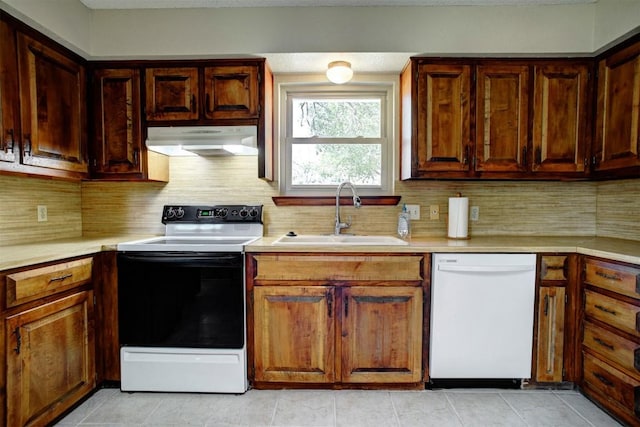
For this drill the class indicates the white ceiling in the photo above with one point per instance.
(178, 4)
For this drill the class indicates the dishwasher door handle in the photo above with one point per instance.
(486, 268)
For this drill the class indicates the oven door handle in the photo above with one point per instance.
(190, 258)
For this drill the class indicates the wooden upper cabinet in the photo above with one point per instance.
(443, 129)
(502, 105)
(231, 92)
(561, 118)
(171, 93)
(53, 108)
(617, 136)
(9, 101)
(117, 134)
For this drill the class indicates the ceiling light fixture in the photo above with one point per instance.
(339, 72)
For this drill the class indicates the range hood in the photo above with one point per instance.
(203, 140)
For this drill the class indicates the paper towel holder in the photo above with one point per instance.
(454, 232)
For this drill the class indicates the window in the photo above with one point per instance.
(333, 134)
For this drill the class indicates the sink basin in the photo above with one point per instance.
(341, 240)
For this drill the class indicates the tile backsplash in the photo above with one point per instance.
(19, 200)
(506, 208)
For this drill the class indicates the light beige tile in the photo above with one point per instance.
(305, 408)
(365, 408)
(484, 409)
(544, 409)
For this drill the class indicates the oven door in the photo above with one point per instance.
(181, 300)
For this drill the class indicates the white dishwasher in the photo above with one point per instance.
(482, 308)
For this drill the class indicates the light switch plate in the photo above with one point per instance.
(414, 211)
(42, 213)
(475, 213)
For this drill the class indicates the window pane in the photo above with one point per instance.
(330, 164)
(336, 118)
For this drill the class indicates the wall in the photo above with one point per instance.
(618, 209)
(461, 29)
(66, 21)
(442, 29)
(506, 208)
(18, 214)
(614, 19)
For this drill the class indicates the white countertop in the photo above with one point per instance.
(15, 256)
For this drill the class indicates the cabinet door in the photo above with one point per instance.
(560, 118)
(9, 101)
(52, 97)
(550, 352)
(117, 133)
(381, 334)
(618, 116)
(231, 92)
(50, 359)
(294, 334)
(443, 140)
(502, 118)
(171, 93)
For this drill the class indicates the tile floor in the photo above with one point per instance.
(350, 408)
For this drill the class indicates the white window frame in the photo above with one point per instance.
(385, 86)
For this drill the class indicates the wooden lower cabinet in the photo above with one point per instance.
(294, 333)
(381, 334)
(557, 334)
(328, 319)
(50, 359)
(611, 336)
(550, 349)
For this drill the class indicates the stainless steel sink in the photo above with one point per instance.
(339, 240)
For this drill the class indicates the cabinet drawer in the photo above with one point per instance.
(344, 267)
(622, 351)
(553, 267)
(612, 383)
(621, 315)
(614, 277)
(39, 282)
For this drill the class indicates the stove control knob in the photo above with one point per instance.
(253, 212)
(243, 212)
(179, 212)
(171, 213)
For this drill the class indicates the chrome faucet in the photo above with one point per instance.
(356, 202)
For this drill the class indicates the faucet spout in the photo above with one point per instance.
(339, 225)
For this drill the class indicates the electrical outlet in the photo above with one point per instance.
(475, 213)
(414, 211)
(434, 212)
(42, 213)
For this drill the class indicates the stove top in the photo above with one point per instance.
(218, 228)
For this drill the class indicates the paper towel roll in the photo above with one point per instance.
(458, 217)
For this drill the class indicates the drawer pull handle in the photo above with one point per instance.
(60, 278)
(604, 344)
(608, 276)
(636, 359)
(606, 310)
(603, 380)
(16, 332)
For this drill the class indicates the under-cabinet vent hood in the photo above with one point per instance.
(203, 140)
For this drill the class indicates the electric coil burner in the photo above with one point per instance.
(181, 301)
